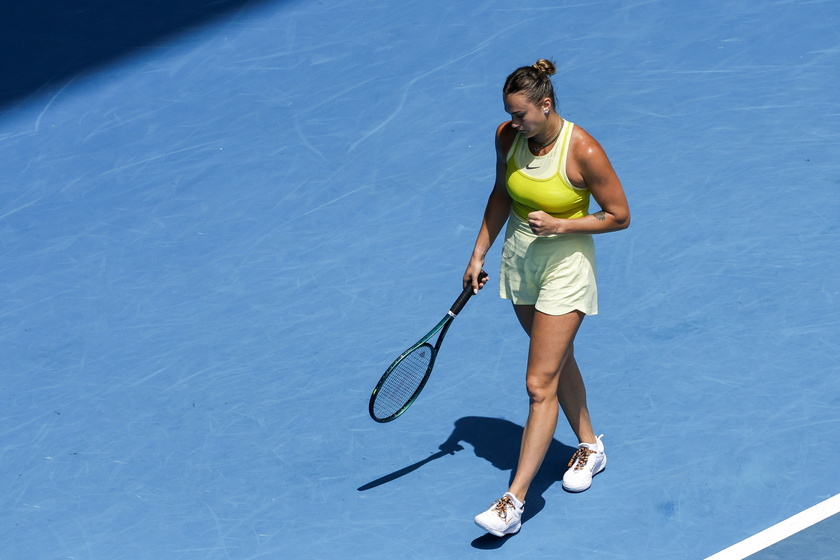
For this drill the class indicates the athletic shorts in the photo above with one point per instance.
(556, 274)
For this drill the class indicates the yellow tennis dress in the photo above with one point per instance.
(556, 273)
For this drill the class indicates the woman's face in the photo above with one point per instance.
(526, 117)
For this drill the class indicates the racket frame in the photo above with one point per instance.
(440, 329)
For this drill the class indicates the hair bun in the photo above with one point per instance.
(545, 67)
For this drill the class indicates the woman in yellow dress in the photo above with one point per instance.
(547, 169)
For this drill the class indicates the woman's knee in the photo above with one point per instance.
(541, 388)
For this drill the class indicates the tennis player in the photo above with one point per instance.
(547, 169)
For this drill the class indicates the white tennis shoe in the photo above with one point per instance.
(588, 460)
(503, 518)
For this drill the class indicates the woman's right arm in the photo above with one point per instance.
(495, 213)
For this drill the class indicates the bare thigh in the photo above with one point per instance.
(552, 338)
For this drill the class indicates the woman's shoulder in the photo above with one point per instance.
(505, 129)
(505, 133)
(587, 158)
(584, 144)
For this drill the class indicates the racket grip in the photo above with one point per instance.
(465, 296)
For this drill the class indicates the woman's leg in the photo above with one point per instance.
(590, 458)
(571, 393)
(552, 338)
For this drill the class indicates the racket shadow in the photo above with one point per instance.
(497, 441)
(405, 470)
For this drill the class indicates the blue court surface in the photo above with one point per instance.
(221, 221)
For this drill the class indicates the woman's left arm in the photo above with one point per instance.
(591, 169)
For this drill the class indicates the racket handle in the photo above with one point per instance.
(465, 296)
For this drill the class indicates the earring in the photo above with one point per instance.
(546, 111)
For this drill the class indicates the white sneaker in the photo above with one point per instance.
(503, 518)
(587, 461)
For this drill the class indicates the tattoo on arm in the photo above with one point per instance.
(601, 215)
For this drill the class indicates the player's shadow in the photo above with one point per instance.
(498, 442)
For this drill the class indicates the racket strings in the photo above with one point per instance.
(400, 386)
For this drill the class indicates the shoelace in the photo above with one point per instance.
(501, 506)
(581, 456)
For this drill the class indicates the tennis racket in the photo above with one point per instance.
(402, 382)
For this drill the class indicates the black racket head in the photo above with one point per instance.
(401, 384)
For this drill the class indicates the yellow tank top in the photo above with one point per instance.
(540, 182)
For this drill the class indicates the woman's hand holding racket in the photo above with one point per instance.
(475, 276)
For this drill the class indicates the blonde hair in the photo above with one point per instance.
(534, 81)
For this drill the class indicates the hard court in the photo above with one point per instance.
(220, 222)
